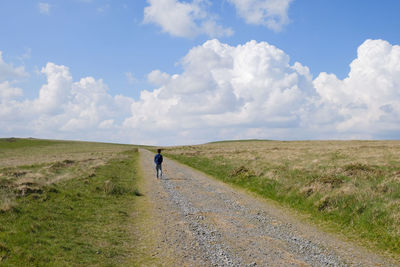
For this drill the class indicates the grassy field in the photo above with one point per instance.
(67, 203)
(348, 186)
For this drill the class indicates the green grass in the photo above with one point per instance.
(81, 221)
(12, 143)
(360, 200)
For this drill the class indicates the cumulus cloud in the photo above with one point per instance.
(270, 13)
(367, 101)
(158, 78)
(44, 8)
(64, 108)
(76, 106)
(9, 72)
(224, 92)
(8, 92)
(252, 91)
(184, 19)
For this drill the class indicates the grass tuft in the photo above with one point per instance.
(68, 221)
(7, 202)
(354, 186)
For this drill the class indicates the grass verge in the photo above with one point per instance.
(146, 227)
(358, 200)
(81, 221)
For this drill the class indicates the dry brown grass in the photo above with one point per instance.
(7, 201)
(351, 158)
(58, 152)
(354, 183)
(27, 168)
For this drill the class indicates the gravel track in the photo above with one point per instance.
(203, 222)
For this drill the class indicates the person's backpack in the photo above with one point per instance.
(158, 159)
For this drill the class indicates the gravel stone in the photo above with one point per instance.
(207, 223)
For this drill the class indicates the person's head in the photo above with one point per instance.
(159, 150)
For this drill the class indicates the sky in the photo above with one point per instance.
(171, 72)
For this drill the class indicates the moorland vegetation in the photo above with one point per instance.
(67, 203)
(351, 187)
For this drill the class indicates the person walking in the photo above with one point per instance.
(158, 159)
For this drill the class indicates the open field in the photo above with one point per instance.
(17, 152)
(79, 203)
(351, 187)
(67, 203)
(26, 165)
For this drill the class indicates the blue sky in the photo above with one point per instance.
(114, 41)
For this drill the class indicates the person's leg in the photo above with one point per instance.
(158, 168)
(161, 171)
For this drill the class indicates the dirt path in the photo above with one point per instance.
(203, 222)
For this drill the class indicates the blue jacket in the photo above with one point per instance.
(158, 159)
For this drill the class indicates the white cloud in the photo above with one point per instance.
(367, 102)
(224, 92)
(270, 13)
(252, 91)
(64, 108)
(9, 72)
(78, 106)
(8, 92)
(106, 124)
(184, 19)
(158, 78)
(44, 8)
(53, 94)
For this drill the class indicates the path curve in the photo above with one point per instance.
(202, 222)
